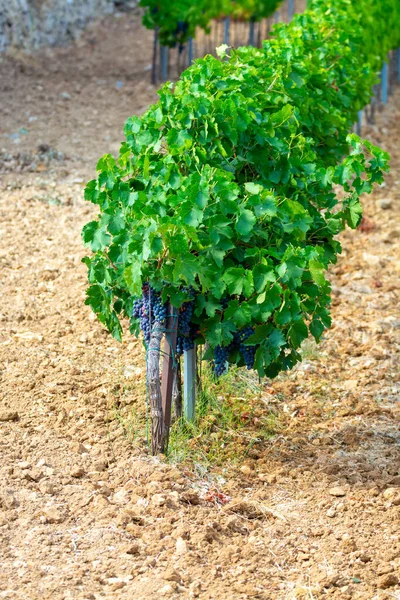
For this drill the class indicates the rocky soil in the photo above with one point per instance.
(86, 514)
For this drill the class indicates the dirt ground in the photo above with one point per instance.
(84, 514)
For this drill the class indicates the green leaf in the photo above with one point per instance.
(262, 275)
(179, 139)
(239, 313)
(185, 268)
(298, 332)
(353, 212)
(133, 278)
(234, 279)
(95, 236)
(316, 329)
(245, 222)
(221, 50)
(253, 188)
(317, 272)
(91, 192)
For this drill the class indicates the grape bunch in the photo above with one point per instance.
(221, 354)
(149, 309)
(248, 352)
(187, 331)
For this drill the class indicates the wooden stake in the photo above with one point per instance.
(168, 371)
(177, 391)
(154, 387)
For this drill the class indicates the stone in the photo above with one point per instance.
(77, 472)
(121, 497)
(181, 546)
(34, 475)
(190, 497)
(133, 549)
(172, 575)
(385, 203)
(364, 558)
(331, 513)
(8, 415)
(24, 465)
(100, 465)
(195, 588)
(387, 581)
(49, 23)
(246, 470)
(167, 590)
(158, 500)
(390, 493)
(7, 499)
(235, 523)
(337, 491)
(52, 515)
(46, 487)
(271, 478)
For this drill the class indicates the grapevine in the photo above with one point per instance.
(228, 194)
(177, 21)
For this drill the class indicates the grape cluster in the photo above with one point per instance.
(187, 332)
(221, 354)
(149, 309)
(248, 352)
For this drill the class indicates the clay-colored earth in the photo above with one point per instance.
(86, 514)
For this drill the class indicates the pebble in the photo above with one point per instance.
(7, 499)
(181, 546)
(337, 491)
(390, 493)
(100, 466)
(133, 549)
(364, 558)
(167, 590)
(172, 575)
(24, 465)
(331, 512)
(34, 475)
(121, 497)
(387, 581)
(385, 203)
(190, 497)
(158, 500)
(246, 470)
(52, 515)
(235, 523)
(77, 472)
(8, 415)
(46, 487)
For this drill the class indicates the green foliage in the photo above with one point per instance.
(177, 21)
(238, 181)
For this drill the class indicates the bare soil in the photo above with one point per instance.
(85, 514)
